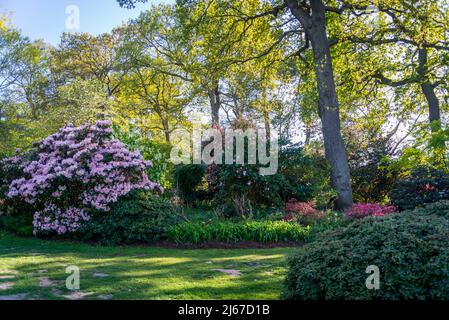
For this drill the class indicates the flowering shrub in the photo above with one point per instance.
(78, 169)
(302, 212)
(361, 210)
(10, 169)
(17, 214)
(54, 219)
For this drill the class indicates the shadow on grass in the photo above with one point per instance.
(145, 272)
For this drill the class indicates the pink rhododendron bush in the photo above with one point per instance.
(74, 172)
(362, 210)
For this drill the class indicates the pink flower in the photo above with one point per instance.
(86, 162)
(361, 210)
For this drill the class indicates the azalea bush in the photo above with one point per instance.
(10, 170)
(56, 220)
(302, 212)
(361, 210)
(409, 248)
(74, 172)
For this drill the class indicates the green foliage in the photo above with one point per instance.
(369, 156)
(240, 190)
(410, 249)
(139, 217)
(21, 225)
(258, 231)
(331, 220)
(423, 185)
(429, 149)
(440, 208)
(187, 179)
(24, 90)
(157, 152)
(307, 175)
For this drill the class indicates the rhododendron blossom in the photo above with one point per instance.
(361, 210)
(60, 221)
(79, 169)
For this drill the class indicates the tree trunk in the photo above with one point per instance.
(428, 88)
(166, 127)
(214, 99)
(330, 121)
(308, 134)
(315, 26)
(266, 120)
(266, 114)
(432, 100)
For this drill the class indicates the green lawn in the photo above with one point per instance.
(35, 269)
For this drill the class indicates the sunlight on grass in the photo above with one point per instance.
(140, 272)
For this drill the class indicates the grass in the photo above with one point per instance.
(140, 272)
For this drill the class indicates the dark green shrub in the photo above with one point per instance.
(307, 176)
(440, 208)
(139, 217)
(330, 221)
(410, 248)
(239, 189)
(21, 225)
(258, 231)
(188, 178)
(370, 156)
(423, 185)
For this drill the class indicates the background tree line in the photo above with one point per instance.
(362, 82)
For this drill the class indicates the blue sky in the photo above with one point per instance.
(46, 19)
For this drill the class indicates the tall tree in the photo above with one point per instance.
(417, 33)
(91, 58)
(303, 26)
(309, 18)
(160, 98)
(25, 89)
